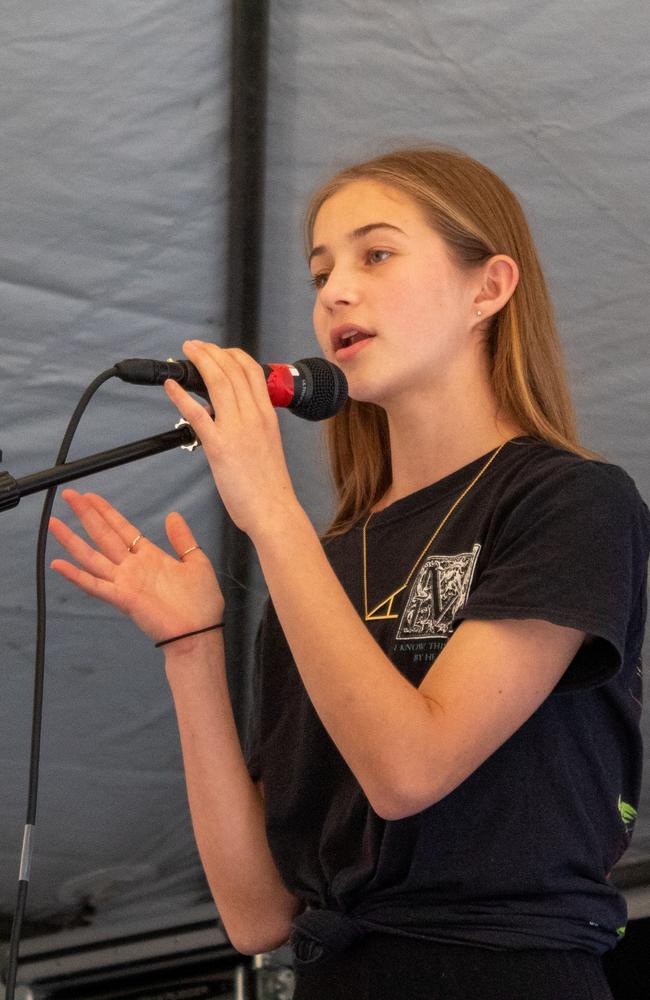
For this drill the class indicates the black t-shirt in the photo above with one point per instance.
(519, 855)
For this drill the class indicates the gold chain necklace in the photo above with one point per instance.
(384, 610)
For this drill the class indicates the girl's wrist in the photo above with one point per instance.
(189, 635)
(197, 645)
(281, 525)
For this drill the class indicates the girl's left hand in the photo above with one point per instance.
(242, 442)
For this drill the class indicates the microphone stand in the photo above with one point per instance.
(13, 490)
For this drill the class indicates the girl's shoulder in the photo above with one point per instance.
(531, 465)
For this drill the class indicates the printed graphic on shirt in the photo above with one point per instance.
(636, 691)
(438, 592)
(627, 813)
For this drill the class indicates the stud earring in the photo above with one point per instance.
(478, 312)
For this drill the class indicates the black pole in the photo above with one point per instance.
(249, 45)
(13, 490)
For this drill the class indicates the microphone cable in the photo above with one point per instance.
(39, 677)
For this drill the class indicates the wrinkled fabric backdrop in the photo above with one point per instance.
(115, 151)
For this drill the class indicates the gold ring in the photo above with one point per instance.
(134, 543)
(187, 551)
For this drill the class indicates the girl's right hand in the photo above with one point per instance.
(165, 596)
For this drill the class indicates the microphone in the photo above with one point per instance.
(313, 388)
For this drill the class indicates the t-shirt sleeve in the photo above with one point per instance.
(571, 549)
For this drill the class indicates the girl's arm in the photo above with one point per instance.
(226, 807)
(407, 747)
(167, 596)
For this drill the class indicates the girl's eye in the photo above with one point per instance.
(377, 256)
(318, 280)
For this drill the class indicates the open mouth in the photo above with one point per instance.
(348, 337)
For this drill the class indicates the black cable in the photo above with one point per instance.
(39, 677)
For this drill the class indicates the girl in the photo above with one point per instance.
(446, 757)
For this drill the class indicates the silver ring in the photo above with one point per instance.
(134, 543)
(192, 548)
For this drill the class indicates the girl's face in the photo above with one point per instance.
(392, 308)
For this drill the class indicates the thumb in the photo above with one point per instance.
(179, 533)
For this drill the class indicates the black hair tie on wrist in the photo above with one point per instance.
(186, 635)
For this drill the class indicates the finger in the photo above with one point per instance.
(243, 371)
(179, 533)
(87, 557)
(245, 377)
(212, 365)
(254, 375)
(96, 527)
(90, 584)
(199, 417)
(120, 524)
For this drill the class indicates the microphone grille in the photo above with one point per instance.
(329, 390)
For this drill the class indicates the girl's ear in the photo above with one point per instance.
(500, 278)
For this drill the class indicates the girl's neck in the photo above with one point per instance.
(431, 438)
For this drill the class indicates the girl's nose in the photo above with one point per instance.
(339, 289)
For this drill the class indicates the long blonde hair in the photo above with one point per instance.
(478, 216)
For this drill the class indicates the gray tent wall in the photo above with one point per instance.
(114, 209)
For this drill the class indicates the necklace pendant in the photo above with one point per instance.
(384, 611)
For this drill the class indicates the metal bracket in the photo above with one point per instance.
(193, 444)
